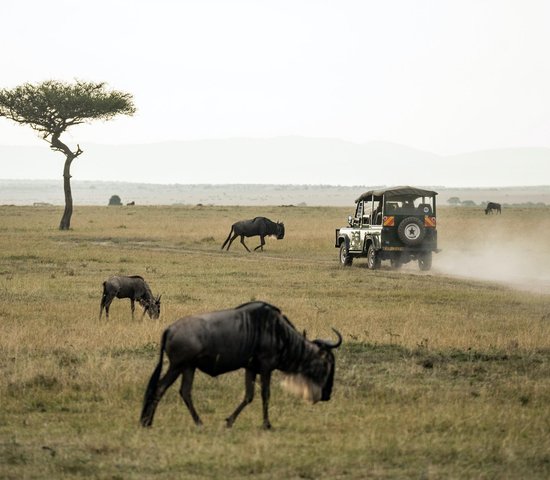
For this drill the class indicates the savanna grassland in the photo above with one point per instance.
(438, 377)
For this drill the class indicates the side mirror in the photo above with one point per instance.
(350, 220)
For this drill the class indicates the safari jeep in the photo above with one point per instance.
(396, 224)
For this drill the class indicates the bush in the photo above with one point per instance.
(115, 200)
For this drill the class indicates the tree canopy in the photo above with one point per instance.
(51, 107)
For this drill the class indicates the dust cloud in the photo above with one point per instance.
(517, 259)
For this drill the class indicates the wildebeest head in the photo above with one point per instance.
(153, 308)
(315, 382)
(280, 230)
(326, 347)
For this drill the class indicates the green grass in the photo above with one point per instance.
(437, 378)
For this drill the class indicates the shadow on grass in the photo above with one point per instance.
(378, 352)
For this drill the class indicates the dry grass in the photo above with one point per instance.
(439, 377)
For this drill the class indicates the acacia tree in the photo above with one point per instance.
(51, 107)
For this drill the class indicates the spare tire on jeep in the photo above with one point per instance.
(411, 231)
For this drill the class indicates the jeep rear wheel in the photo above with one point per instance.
(345, 258)
(425, 261)
(411, 231)
(373, 259)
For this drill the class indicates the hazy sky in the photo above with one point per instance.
(443, 76)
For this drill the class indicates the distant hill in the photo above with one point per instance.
(283, 161)
(28, 192)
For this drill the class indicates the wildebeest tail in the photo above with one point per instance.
(103, 297)
(228, 237)
(153, 381)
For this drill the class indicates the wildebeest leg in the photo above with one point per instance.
(265, 380)
(163, 385)
(262, 243)
(185, 392)
(249, 378)
(244, 244)
(133, 306)
(227, 239)
(231, 241)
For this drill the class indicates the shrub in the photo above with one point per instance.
(115, 200)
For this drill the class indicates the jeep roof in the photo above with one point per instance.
(395, 192)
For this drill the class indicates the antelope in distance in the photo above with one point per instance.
(492, 206)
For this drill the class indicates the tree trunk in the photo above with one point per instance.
(59, 146)
(65, 223)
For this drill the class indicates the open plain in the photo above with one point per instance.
(442, 374)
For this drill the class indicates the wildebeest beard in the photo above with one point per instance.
(302, 387)
(307, 388)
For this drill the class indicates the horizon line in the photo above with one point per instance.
(481, 187)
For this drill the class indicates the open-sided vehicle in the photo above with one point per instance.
(396, 224)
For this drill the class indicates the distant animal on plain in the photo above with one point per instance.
(133, 287)
(261, 226)
(255, 336)
(492, 206)
(131, 204)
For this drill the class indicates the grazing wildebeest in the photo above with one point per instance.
(255, 336)
(492, 206)
(136, 289)
(257, 226)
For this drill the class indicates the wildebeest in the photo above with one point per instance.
(257, 226)
(255, 336)
(136, 289)
(492, 206)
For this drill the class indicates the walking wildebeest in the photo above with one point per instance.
(136, 289)
(255, 336)
(492, 206)
(257, 226)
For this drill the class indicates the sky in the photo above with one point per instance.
(446, 77)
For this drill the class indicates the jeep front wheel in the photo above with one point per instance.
(411, 231)
(345, 258)
(373, 259)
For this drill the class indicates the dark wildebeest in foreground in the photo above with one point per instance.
(493, 206)
(255, 336)
(257, 226)
(136, 289)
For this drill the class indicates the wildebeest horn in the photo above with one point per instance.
(330, 344)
